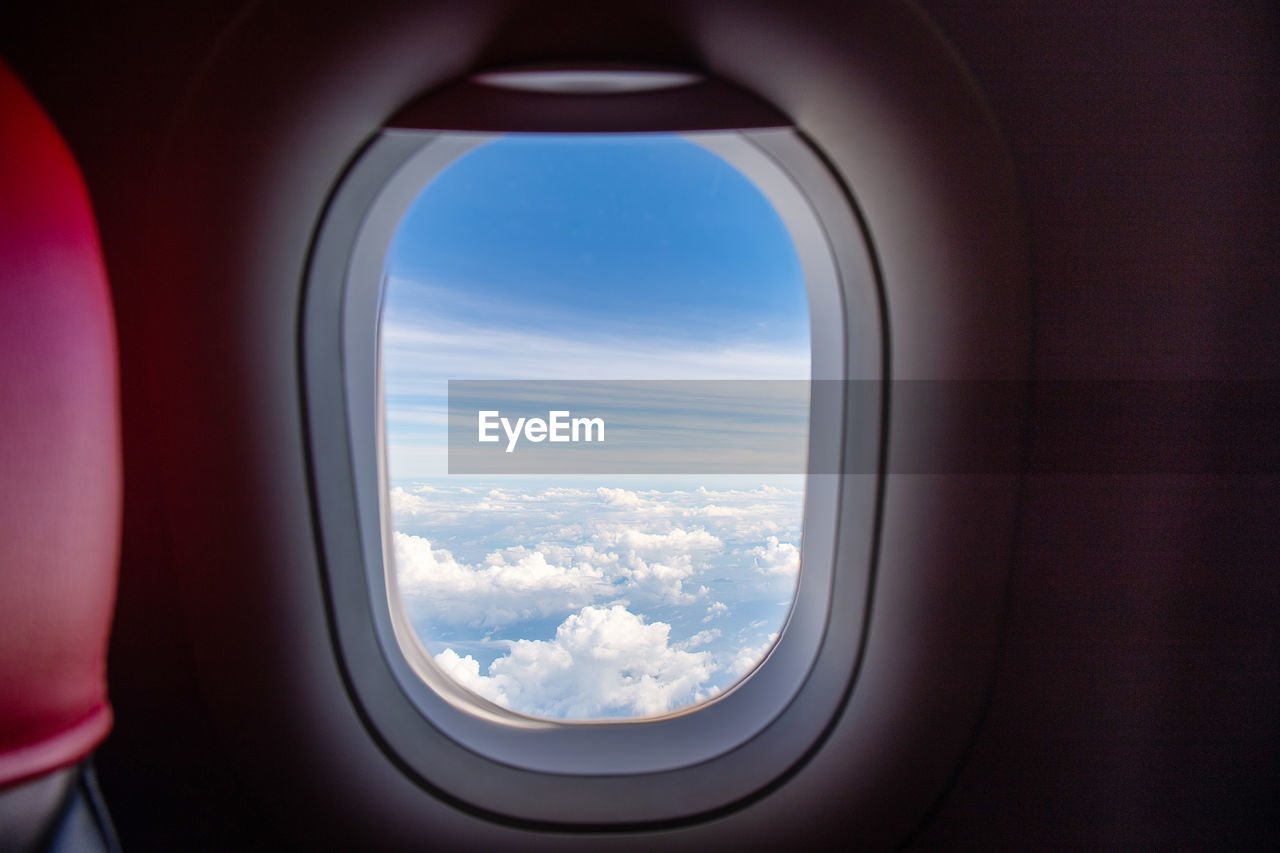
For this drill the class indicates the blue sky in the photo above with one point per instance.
(650, 233)
(589, 257)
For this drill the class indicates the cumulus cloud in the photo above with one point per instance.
(716, 609)
(663, 581)
(410, 503)
(776, 558)
(701, 639)
(521, 583)
(652, 574)
(657, 564)
(746, 658)
(673, 541)
(621, 497)
(513, 585)
(603, 662)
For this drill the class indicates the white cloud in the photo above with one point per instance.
(520, 583)
(513, 585)
(746, 659)
(715, 610)
(603, 662)
(466, 671)
(674, 541)
(776, 558)
(657, 564)
(585, 553)
(661, 580)
(649, 504)
(426, 354)
(407, 503)
(701, 639)
(479, 564)
(621, 497)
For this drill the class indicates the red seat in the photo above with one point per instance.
(60, 458)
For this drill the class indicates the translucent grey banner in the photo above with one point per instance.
(939, 427)
(628, 427)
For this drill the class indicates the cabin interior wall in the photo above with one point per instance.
(1137, 703)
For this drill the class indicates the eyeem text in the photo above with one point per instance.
(558, 426)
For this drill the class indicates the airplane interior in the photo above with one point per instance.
(1034, 248)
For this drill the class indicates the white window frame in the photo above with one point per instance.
(598, 773)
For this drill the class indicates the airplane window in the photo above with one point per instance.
(609, 282)
(596, 419)
(579, 484)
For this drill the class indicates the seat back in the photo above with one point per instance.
(60, 457)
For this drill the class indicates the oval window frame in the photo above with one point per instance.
(490, 759)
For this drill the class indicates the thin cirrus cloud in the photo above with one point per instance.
(460, 350)
(419, 359)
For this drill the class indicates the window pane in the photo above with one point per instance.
(589, 596)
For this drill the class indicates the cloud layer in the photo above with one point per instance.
(585, 603)
(602, 662)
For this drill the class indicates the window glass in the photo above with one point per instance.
(591, 595)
